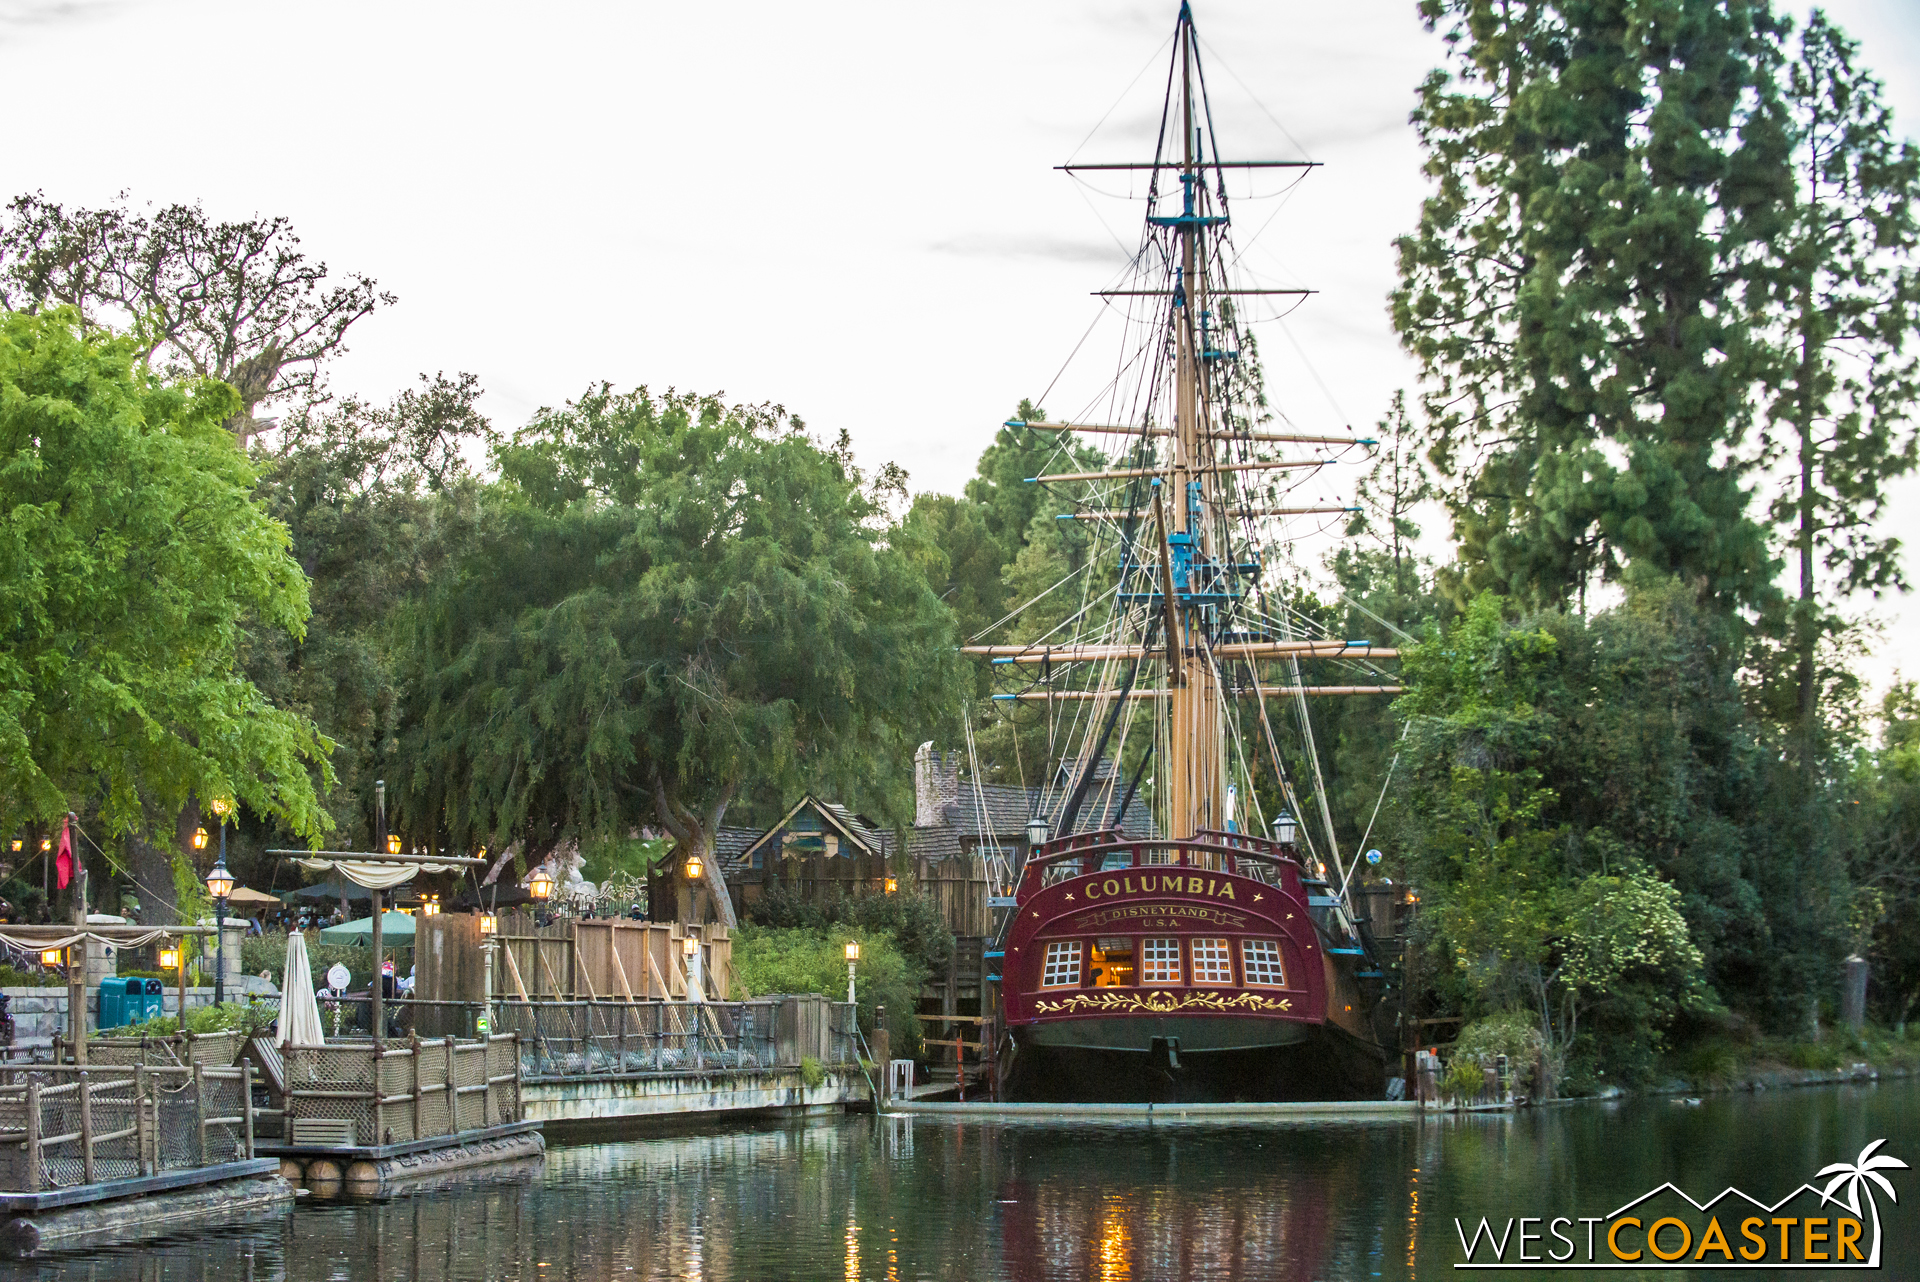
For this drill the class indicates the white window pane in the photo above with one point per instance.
(1261, 960)
(1160, 961)
(1211, 964)
(1062, 965)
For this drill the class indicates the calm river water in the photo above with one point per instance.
(898, 1198)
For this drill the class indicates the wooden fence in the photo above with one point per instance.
(360, 1095)
(592, 959)
(62, 1126)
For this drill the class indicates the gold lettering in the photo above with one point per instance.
(1093, 890)
(1613, 1235)
(1809, 1239)
(1846, 1237)
(1194, 884)
(1226, 890)
(1783, 1225)
(1170, 883)
(1209, 885)
(1715, 1239)
(1127, 882)
(1653, 1237)
(1747, 1227)
(1111, 887)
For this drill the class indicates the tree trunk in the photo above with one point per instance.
(152, 868)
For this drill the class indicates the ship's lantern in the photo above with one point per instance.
(1036, 831)
(1285, 831)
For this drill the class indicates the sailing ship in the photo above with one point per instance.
(1222, 956)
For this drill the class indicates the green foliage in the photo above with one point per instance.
(1513, 1033)
(772, 959)
(811, 1073)
(248, 1018)
(912, 921)
(13, 977)
(131, 550)
(1606, 181)
(670, 599)
(268, 952)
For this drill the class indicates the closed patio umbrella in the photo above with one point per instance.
(299, 1023)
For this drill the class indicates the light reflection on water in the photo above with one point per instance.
(899, 1198)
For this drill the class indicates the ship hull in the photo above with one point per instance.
(1198, 969)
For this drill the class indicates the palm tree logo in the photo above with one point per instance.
(1855, 1176)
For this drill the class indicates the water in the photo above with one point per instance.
(900, 1198)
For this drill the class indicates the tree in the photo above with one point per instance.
(233, 301)
(131, 550)
(1607, 175)
(1845, 303)
(376, 498)
(670, 600)
(1001, 485)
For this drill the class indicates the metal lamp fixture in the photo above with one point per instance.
(488, 923)
(53, 956)
(689, 947)
(220, 881)
(853, 955)
(893, 884)
(169, 959)
(393, 844)
(1285, 831)
(431, 908)
(1036, 831)
(695, 868)
(199, 839)
(540, 885)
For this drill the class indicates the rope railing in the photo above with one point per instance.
(63, 1126)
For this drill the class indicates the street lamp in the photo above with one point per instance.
(393, 844)
(220, 885)
(199, 838)
(51, 957)
(1036, 832)
(488, 923)
(431, 908)
(893, 884)
(169, 958)
(540, 885)
(853, 956)
(695, 867)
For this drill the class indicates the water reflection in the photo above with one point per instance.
(897, 1198)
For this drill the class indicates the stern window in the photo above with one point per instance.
(1160, 961)
(1063, 965)
(1211, 964)
(1260, 960)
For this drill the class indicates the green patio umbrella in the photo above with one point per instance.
(395, 928)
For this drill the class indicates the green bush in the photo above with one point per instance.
(249, 1018)
(769, 959)
(13, 978)
(811, 1072)
(914, 921)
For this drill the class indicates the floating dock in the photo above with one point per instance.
(1305, 1111)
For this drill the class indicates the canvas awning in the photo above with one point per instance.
(328, 891)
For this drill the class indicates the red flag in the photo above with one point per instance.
(63, 862)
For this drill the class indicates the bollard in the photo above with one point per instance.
(1853, 994)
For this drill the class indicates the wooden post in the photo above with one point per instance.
(376, 1027)
(77, 975)
(882, 1050)
(419, 1101)
(452, 1085)
(200, 1111)
(183, 983)
(246, 1109)
(145, 1163)
(379, 1093)
(86, 1128)
(33, 1135)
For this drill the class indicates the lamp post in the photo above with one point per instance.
(220, 885)
(853, 957)
(489, 927)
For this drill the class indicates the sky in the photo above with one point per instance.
(850, 210)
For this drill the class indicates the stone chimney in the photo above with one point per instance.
(936, 783)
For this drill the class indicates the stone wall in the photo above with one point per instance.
(39, 1013)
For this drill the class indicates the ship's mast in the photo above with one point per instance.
(1196, 748)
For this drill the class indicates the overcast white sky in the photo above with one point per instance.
(849, 209)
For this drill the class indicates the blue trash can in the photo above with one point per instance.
(153, 999)
(113, 1002)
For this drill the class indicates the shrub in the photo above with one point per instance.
(811, 1072)
(768, 959)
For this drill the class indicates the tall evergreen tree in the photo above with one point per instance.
(1845, 307)
(1606, 174)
